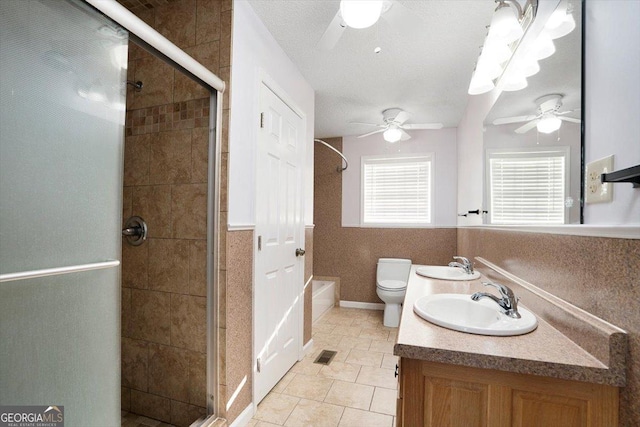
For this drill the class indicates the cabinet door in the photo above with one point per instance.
(538, 409)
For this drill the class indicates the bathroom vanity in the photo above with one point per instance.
(561, 374)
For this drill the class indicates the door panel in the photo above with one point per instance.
(279, 225)
(62, 103)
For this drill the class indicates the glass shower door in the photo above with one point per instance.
(62, 109)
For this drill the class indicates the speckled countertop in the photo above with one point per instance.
(545, 351)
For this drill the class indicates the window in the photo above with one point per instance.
(397, 191)
(527, 187)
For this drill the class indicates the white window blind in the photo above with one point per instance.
(396, 191)
(528, 187)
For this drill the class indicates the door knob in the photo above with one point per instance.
(300, 252)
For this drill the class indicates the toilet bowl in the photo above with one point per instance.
(391, 284)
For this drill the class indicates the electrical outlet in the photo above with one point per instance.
(595, 190)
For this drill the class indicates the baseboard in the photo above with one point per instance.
(244, 417)
(307, 348)
(362, 305)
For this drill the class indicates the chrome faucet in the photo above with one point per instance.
(507, 301)
(465, 264)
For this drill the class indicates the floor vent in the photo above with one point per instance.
(326, 356)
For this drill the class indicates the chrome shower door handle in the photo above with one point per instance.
(300, 252)
(135, 231)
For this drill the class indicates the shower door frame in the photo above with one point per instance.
(148, 38)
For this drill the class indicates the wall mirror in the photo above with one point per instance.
(533, 141)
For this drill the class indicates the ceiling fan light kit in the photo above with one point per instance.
(509, 24)
(549, 124)
(394, 125)
(360, 13)
(548, 119)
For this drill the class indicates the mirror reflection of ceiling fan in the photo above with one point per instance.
(394, 125)
(548, 119)
(362, 14)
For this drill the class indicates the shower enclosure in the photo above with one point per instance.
(63, 95)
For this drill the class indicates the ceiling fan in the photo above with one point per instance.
(356, 14)
(394, 125)
(548, 118)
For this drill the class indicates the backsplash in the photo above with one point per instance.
(599, 275)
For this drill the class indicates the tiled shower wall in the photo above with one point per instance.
(164, 280)
(351, 253)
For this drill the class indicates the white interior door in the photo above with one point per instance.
(279, 230)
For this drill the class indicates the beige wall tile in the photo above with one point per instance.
(153, 204)
(171, 157)
(127, 200)
(198, 378)
(222, 299)
(157, 77)
(135, 363)
(189, 322)
(169, 372)
(222, 352)
(137, 152)
(189, 211)
(198, 267)
(169, 265)
(151, 406)
(186, 89)
(226, 18)
(199, 155)
(208, 20)
(125, 399)
(225, 76)
(227, 5)
(183, 414)
(150, 316)
(135, 265)
(224, 182)
(177, 22)
(125, 312)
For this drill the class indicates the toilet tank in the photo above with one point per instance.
(393, 269)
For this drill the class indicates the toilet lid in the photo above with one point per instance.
(392, 285)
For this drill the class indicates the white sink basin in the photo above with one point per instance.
(446, 273)
(459, 312)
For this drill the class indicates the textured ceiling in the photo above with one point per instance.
(429, 48)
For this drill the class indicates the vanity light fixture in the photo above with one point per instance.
(508, 25)
(360, 13)
(393, 134)
(561, 21)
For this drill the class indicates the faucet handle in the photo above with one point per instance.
(464, 260)
(505, 291)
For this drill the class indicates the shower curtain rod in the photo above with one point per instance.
(339, 168)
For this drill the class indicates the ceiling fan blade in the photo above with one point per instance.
(526, 128)
(402, 117)
(516, 119)
(404, 136)
(570, 119)
(371, 133)
(332, 34)
(567, 112)
(368, 124)
(423, 126)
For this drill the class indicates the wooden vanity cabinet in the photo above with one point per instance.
(442, 395)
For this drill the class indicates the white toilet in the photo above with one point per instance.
(391, 284)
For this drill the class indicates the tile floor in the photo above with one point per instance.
(357, 389)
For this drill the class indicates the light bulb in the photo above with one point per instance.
(496, 50)
(393, 134)
(505, 25)
(514, 83)
(487, 68)
(480, 85)
(360, 13)
(543, 47)
(565, 27)
(527, 67)
(549, 124)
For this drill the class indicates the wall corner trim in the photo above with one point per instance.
(307, 348)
